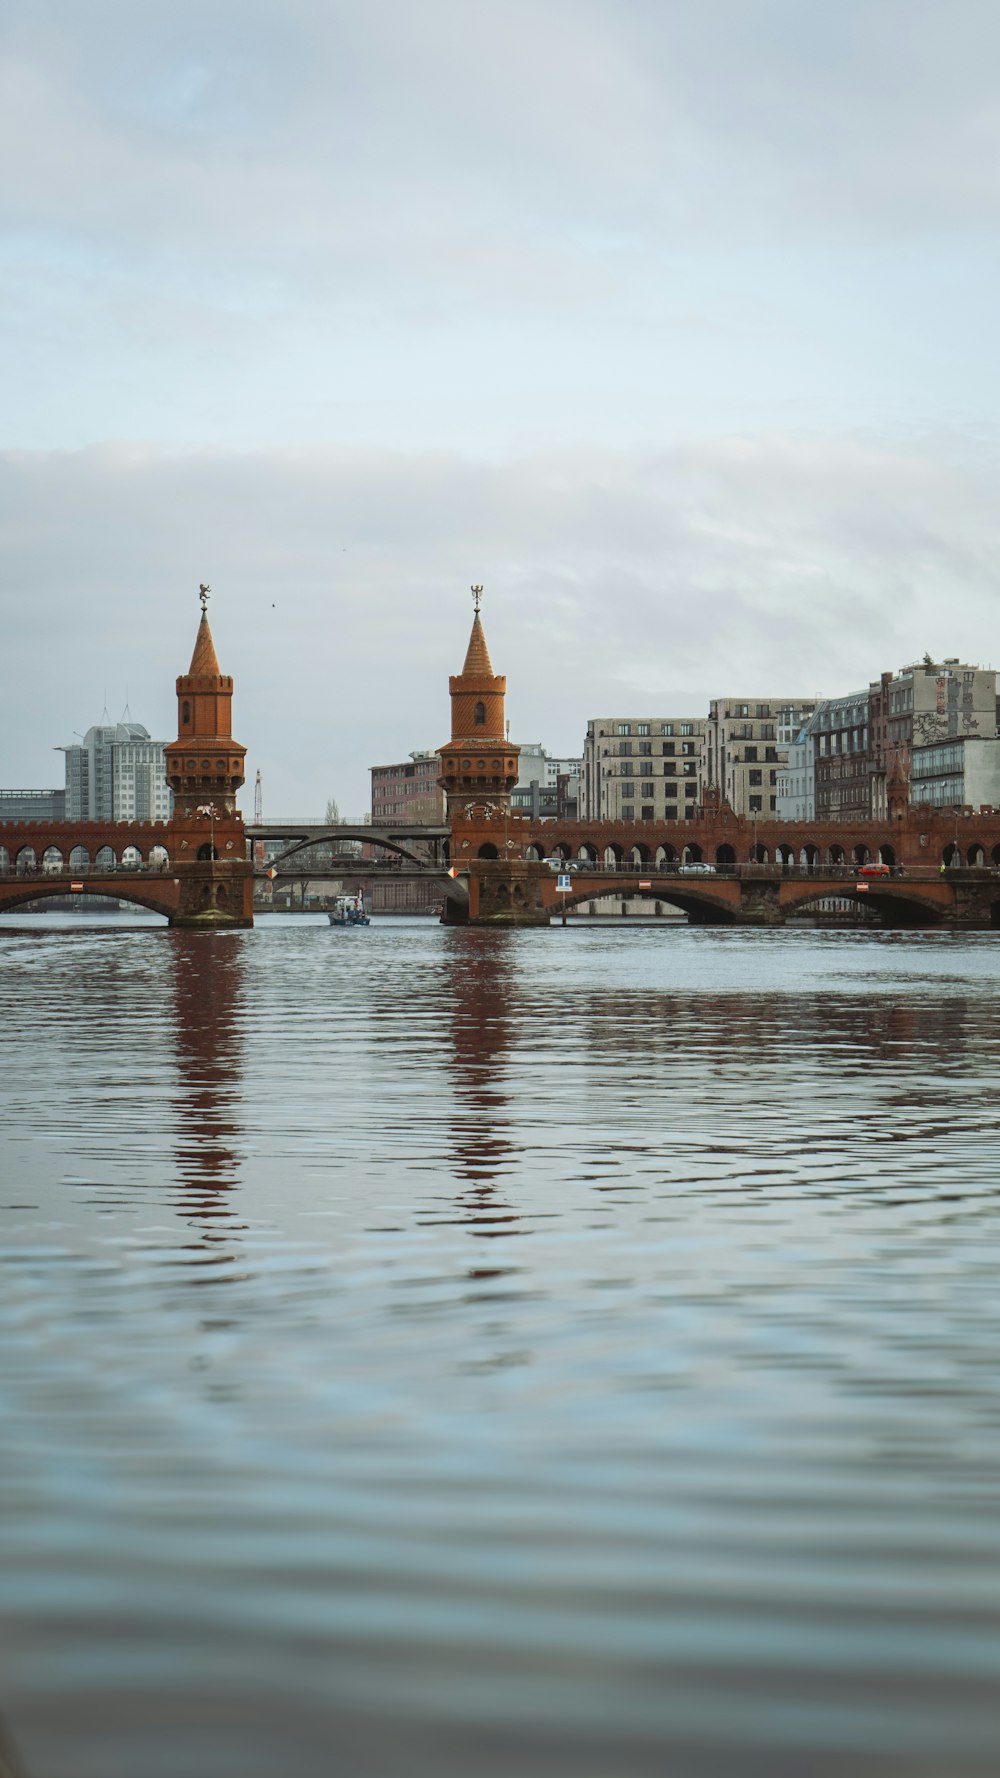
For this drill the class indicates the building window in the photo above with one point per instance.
(751, 753)
(625, 749)
(642, 728)
(666, 728)
(624, 728)
(755, 777)
(645, 788)
(647, 811)
(690, 790)
(763, 710)
(687, 728)
(687, 748)
(668, 747)
(670, 770)
(645, 747)
(756, 804)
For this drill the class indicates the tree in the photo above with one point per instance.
(332, 816)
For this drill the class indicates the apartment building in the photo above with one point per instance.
(639, 768)
(746, 745)
(408, 791)
(925, 703)
(843, 757)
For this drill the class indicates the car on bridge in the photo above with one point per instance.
(697, 869)
(875, 870)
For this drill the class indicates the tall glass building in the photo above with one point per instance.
(117, 773)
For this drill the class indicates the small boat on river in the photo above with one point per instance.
(349, 910)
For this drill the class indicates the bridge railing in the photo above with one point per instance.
(704, 872)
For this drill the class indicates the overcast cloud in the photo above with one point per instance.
(673, 324)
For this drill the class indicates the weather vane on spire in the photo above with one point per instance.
(477, 598)
(204, 594)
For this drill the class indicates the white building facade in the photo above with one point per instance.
(746, 745)
(642, 768)
(117, 773)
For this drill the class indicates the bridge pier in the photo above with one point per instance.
(214, 895)
(500, 895)
(974, 905)
(760, 904)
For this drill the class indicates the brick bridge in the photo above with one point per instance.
(196, 869)
(183, 869)
(760, 872)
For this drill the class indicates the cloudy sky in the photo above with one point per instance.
(671, 321)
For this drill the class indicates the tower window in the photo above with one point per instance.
(479, 716)
(185, 713)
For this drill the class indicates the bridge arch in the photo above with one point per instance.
(587, 854)
(52, 859)
(759, 855)
(975, 856)
(698, 903)
(725, 854)
(533, 854)
(861, 854)
(666, 854)
(835, 854)
(302, 843)
(488, 850)
(887, 854)
(691, 853)
(106, 859)
(79, 858)
(898, 903)
(639, 855)
(613, 855)
(25, 861)
(128, 889)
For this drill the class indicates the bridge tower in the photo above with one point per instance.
(205, 771)
(479, 763)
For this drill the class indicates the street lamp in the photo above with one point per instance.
(210, 810)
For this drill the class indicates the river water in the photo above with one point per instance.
(456, 1353)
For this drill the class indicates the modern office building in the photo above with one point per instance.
(796, 781)
(962, 772)
(117, 773)
(32, 805)
(545, 785)
(642, 768)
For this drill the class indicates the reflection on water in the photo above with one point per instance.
(692, 1469)
(207, 983)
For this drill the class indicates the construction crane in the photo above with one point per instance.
(258, 817)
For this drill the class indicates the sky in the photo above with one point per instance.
(672, 324)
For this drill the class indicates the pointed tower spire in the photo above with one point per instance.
(205, 764)
(478, 764)
(204, 661)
